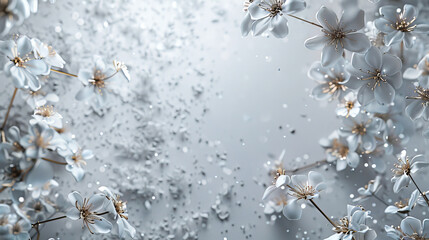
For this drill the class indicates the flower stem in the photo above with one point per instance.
(421, 193)
(320, 210)
(46, 221)
(309, 166)
(302, 19)
(65, 73)
(53, 161)
(7, 114)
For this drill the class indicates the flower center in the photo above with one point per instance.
(45, 111)
(359, 129)
(38, 207)
(377, 76)
(120, 207)
(403, 25)
(402, 167)
(335, 85)
(338, 150)
(423, 94)
(274, 7)
(343, 227)
(302, 192)
(16, 229)
(19, 62)
(401, 204)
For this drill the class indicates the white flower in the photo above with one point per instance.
(404, 168)
(302, 188)
(368, 190)
(339, 35)
(411, 228)
(270, 15)
(39, 139)
(376, 76)
(348, 106)
(38, 98)
(400, 24)
(353, 226)
(100, 82)
(90, 211)
(337, 150)
(46, 114)
(76, 158)
(421, 72)
(22, 65)
(47, 53)
(14, 13)
(404, 207)
(118, 208)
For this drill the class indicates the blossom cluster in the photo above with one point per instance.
(369, 63)
(30, 149)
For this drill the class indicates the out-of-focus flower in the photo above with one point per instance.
(339, 35)
(403, 169)
(14, 12)
(270, 15)
(118, 208)
(411, 228)
(47, 53)
(38, 98)
(369, 190)
(332, 80)
(337, 150)
(399, 25)
(379, 75)
(353, 226)
(348, 106)
(302, 188)
(76, 159)
(421, 72)
(22, 65)
(101, 81)
(39, 139)
(47, 115)
(419, 105)
(13, 226)
(89, 211)
(362, 131)
(375, 36)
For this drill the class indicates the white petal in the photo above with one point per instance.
(412, 73)
(411, 225)
(327, 18)
(356, 42)
(384, 93)
(278, 26)
(292, 210)
(415, 109)
(331, 54)
(317, 42)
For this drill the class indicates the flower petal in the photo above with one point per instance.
(331, 54)
(260, 26)
(374, 58)
(317, 42)
(327, 18)
(384, 93)
(278, 26)
(292, 210)
(352, 20)
(411, 225)
(415, 109)
(356, 42)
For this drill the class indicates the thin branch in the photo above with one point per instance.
(302, 19)
(65, 73)
(309, 166)
(423, 195)
(46, 221)
(53, 161)
(320, 210)
(8, 110)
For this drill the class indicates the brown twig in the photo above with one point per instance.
(8, 112)
(53, 161)
(320, 210)
(65, 73)
(312, 165)
(302, 19)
